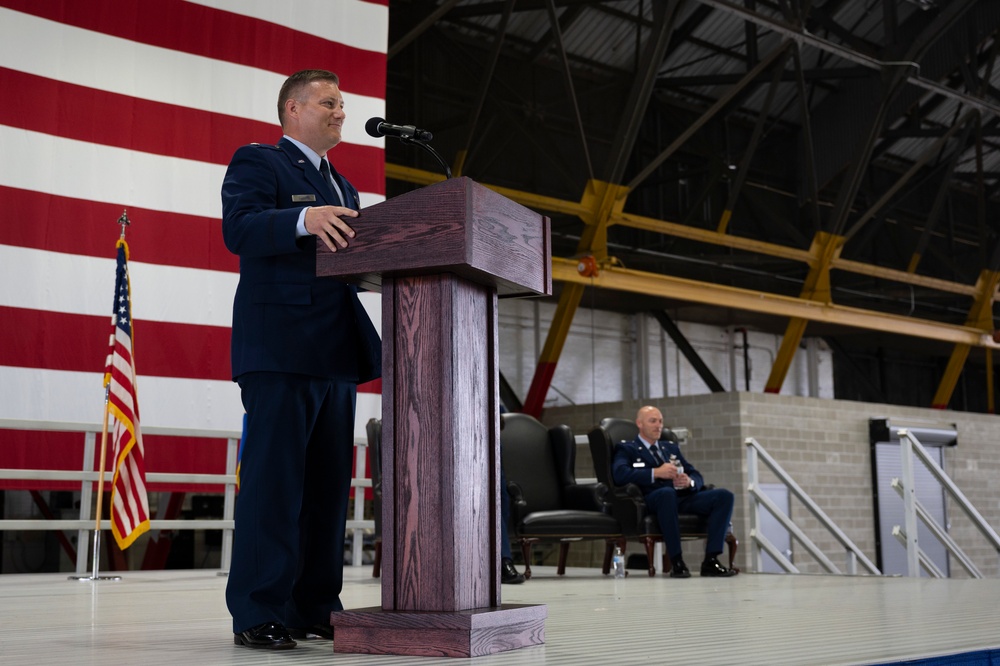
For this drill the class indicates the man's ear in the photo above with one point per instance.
(291, 108)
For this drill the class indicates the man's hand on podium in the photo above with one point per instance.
(327, 224)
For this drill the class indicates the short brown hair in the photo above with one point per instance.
(294, 84)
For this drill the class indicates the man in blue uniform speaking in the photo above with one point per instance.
(300, 346)
(671, 486)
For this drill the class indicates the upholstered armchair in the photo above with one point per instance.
(547, 504)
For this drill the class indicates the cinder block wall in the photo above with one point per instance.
(824, 445)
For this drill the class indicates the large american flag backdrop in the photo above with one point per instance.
(138, 105)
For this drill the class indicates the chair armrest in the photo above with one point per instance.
(587, 497)
(633, 493)
(518, 505)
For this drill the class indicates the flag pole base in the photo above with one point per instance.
(96, 559)
(86, 578)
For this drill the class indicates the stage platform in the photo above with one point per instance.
(179, 617)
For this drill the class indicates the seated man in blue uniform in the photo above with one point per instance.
(672, 486)
(508, 572)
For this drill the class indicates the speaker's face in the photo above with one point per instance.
(316, 117)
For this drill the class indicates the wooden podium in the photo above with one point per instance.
(441, 256)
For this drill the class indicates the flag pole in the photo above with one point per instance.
(96, 550)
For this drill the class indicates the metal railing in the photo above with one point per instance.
(87, 476)
(755, 453)
(914, 510)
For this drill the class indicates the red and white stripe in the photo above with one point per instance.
(139, 104)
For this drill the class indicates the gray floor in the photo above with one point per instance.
(180, 617)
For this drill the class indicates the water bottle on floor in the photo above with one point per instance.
(619, 562)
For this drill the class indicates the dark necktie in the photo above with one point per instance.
(655, 450)
(324, 169)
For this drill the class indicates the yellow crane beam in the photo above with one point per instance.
(641, 282)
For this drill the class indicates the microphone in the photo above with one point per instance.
(378, 127)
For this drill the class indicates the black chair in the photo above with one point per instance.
(374, 431)
(627, 502)
(546, 502)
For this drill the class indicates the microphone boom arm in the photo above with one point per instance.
(429, 149)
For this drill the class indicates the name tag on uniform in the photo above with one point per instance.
(299, 198)
(638, 463)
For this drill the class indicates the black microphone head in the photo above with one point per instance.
(372, 126)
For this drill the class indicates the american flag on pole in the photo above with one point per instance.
(139, 105)
(129, 506)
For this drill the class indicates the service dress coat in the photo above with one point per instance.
(285, 319)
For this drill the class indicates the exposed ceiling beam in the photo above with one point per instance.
(803, 36)
(640, 92)
(703, 293)
(420, 28)
(726, 99)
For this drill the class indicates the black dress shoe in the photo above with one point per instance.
(315, 631)
(508, 574)
(678, 569)
(711, 568)
(267, 636)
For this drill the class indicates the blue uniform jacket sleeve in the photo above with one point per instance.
(689, 469)
(255, 222)
(623, 470)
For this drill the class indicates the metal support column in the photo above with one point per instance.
(825, 248)
(980, 316)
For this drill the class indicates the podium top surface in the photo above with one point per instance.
(455, 226)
